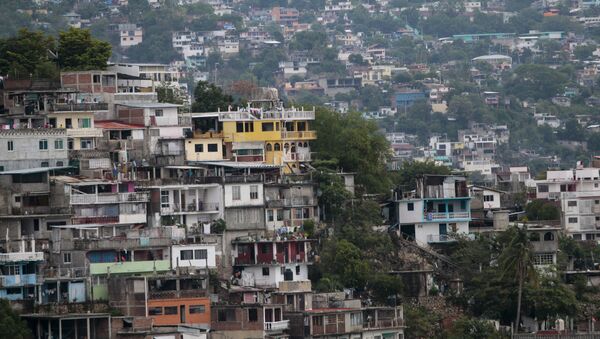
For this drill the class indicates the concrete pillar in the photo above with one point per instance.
(89, 332)
(49, 329)
(59, 328)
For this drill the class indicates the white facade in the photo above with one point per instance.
(272, 275)
(200, 204)
(197, 255)
(244, 194)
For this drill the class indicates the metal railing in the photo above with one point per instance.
(96, 220)
(201, 207)
(446, 215)
(439, 238)
(21, 256)
(96, 106)
(277, 325)
(299, 135)
(83, 199)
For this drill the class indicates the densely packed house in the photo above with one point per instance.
(122, 217)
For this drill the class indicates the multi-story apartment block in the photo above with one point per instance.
(130, 35)
(31, 148)
(285, 16)
(438, 208)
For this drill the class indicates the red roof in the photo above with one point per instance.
(115, 124)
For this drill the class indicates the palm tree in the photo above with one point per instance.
(516, 261)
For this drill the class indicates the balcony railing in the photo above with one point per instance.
(191, 208)
(434, 216)
(18, 280)
(297, 157)
(299, 135)
(296, 201)
(84, 132)
(33, 210)
(177, 294)
(82, 107)
(277, 325)
(21, 257)
(108, 198)
(207, 135)
(439, 238)
(96, 220)
(383, 323)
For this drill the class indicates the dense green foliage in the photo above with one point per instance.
(11, 325)
(209, 98)
(353, 144)
(79, 51)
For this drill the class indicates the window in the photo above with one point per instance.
(249, 127)
(45, 164)
(252, 315)
(198, 148)
(158, 112)
(572, 203)
(543, 188)
(265, 271)
(543, 259)
(279, 215)
(226, 315)
(200, 254)
(66, 258)
(269, 215)
(86, 144)
(410, 206)
(267, 127)
(297, 269)
(212, 147)
(36, 226)
(96, 78)
(170, 310)
(10, 145)
(277, 147)
(239, 127)
(164, 199)
(85, 123)
(155, 311)
(43, 144)
(195, 309)
(331, 319)
(59, 144)
(548, 236)
(187, 255)
(253, 192)
(269, 147)
(317, 320)
(356, 319)
(597, 202)
(488, 198)
(572, 220)
(235, 193)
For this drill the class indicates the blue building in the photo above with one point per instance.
(406, 99)
(18, 275)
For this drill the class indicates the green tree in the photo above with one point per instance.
(423, 323)
(210, 98)
(405, 177)
(356, 59)
(516, 262)
(11, 325)
(535, 81)
(584, 52)
(79, 51)
(541, 209)
(471, 328)
(354, 144)
(26, 54)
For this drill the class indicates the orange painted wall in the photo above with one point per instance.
(174, 319)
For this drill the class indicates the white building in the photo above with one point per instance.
(439, 207)
(194, 255)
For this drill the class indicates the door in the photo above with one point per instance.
(407, 232)
(182, 313)
(443, 228)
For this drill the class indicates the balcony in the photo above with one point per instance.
(383, 323)
(299, 135)
(106, 219)
(21, 257)
(202, 207)
(130, 267)
(83, 107)
(295, 286)
(446, 216)
(39, 210)
(98, 244)
(195, 293)
(277, 325)
(84, 132)
(293, 202)
(18, 280)
(439, 239)
(297, 157)
(207, 135)
(108, 198)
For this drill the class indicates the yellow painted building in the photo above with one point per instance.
(204, 149)
(280, 137)
(81, 132)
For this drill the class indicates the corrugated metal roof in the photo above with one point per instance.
(239, 164)
(34, 170)
(114, 124)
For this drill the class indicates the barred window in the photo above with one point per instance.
(543, 259)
